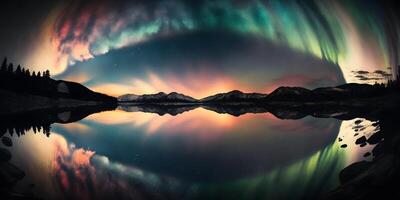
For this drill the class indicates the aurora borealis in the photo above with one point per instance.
(67, 133)
(204, 47)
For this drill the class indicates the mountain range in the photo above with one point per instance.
(281, 94)
(160, 97)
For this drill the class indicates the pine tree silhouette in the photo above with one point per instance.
(18, 71)
(10, 68)
(46, 74)
(4, 65)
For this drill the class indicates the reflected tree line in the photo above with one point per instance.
(39, 121)
(21, 129)
(23, 80)
(19, 125)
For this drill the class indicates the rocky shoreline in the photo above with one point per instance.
(9, 173)
(380, 177)
(13, 103)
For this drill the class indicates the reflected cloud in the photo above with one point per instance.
(81, 174)
(76, 128)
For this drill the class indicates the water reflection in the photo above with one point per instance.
(202, 145)
(197, 154)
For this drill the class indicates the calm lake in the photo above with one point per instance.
(197, 154)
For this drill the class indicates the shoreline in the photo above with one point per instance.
(16, 103)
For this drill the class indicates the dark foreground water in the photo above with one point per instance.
(198, 154)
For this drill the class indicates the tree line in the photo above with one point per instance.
(22, 80)
(8, 69)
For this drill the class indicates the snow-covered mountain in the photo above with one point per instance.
(236, 96)
(172, 97)
(289, 93)
(128, 97)
(281, 94)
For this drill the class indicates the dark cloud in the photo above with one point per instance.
(382, 73)
(377, 75)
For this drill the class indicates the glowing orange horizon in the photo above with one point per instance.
(195, 85)
(198, 87)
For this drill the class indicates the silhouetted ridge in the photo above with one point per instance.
(289, 94)
(22, 81)
(234, 96)
(160, 97)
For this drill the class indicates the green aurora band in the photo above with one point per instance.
(298, 177)
(319, 28)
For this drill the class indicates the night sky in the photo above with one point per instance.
(202, 47)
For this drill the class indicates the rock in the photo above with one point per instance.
(3, 131)
(395, 144)
(353, 170)
(357, 127)
(375, 138)
(361, 140)
(10, 174)
(6, 141)
(5, 155)
(378, 149)
(383, 170)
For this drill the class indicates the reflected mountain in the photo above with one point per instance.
(236, 110)
(157, 108)
(281, 111)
